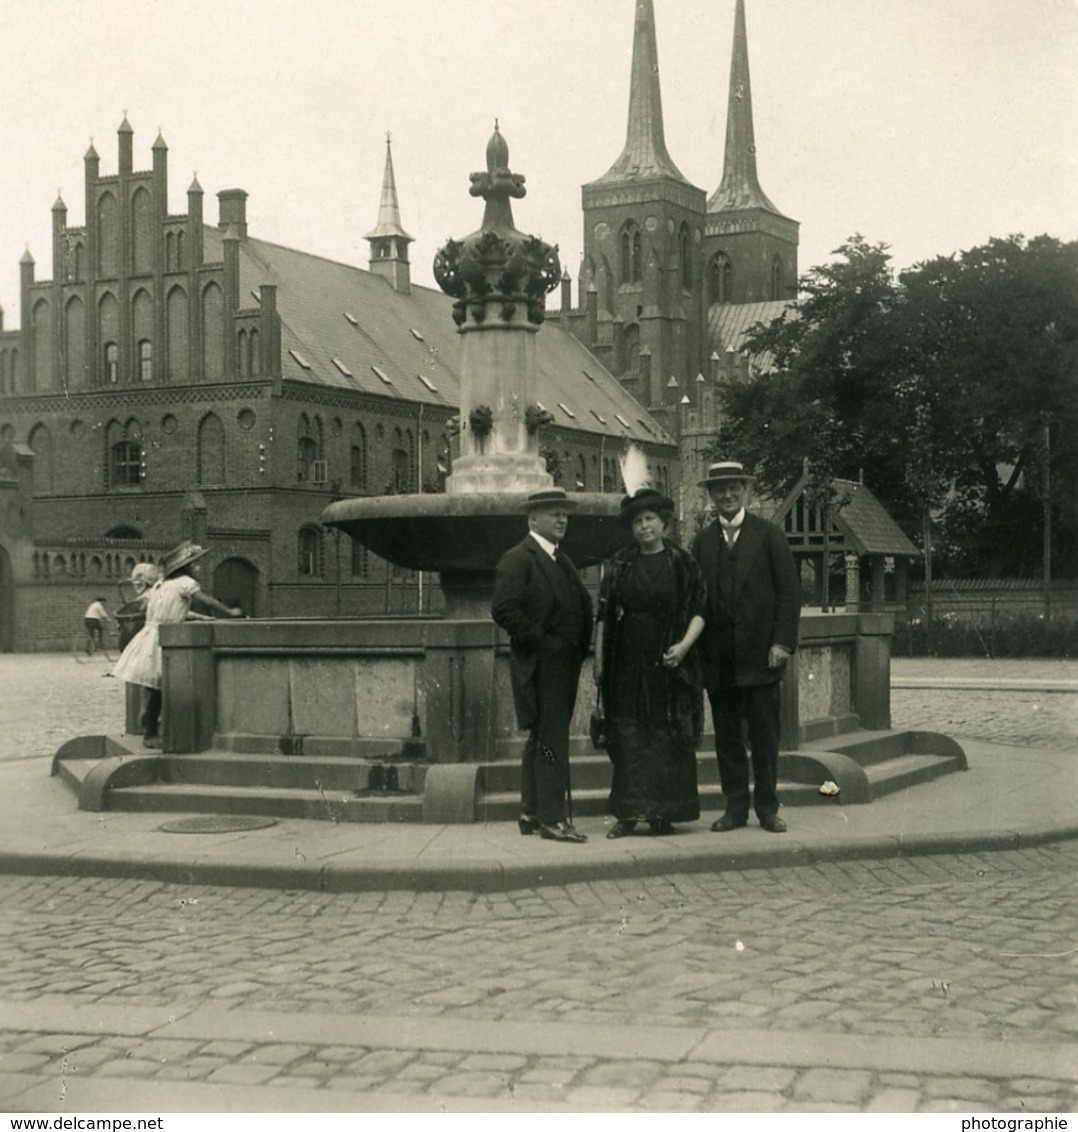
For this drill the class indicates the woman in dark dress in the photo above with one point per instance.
(651, 610)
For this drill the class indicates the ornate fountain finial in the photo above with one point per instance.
(497, 264)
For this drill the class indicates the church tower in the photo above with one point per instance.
(750, 247)
(641, 279)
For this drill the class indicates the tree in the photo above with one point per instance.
(938, 385)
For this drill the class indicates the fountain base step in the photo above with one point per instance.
(114, 773)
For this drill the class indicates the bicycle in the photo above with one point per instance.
(85, 648)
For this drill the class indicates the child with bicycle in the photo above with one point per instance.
(171, 600)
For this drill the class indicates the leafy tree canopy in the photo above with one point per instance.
(940, 385)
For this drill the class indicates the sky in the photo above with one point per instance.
(928, 125)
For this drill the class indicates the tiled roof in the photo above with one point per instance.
(865, 524)
(347, 328)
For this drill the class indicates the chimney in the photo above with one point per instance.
(232, 209)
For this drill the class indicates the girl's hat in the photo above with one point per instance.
(181, 556)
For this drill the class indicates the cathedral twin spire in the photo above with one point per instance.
(645, 155)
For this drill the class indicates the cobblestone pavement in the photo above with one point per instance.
(1026, 718)
(971, 953)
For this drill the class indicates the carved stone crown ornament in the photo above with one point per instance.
(497, 264)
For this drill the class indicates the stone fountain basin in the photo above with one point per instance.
(469, 532)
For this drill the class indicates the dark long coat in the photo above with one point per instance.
(764, 607)
(531, 593)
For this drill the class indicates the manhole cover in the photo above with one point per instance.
(216, 823)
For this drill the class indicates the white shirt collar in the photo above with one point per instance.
(733, 524)
(545, 543)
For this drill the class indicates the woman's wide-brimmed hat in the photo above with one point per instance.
(644, 499)
(723, 471)
(180, 556)
(549, 497)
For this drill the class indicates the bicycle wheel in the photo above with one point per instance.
(108, 650)
(83, 647)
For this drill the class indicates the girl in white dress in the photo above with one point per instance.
(170, 601)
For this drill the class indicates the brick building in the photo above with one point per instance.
(672, 279)
(176, 379)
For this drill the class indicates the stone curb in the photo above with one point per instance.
(668, 1044)
(486, 876)
(985, 684)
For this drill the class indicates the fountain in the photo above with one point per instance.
(412, 719)
(498, 278)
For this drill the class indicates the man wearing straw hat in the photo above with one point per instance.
(540, 601)
(750, 632)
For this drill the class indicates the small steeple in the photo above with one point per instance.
(388, 239)
(160, 142)
(389, 217)
(644, 156)
(740, 185)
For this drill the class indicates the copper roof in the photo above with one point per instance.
(644, 156)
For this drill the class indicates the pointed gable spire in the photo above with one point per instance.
(644, 155)
(389, 217)
(740, 185)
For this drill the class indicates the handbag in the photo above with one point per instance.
(597, 726)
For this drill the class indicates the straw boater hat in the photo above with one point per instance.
(549, 497)
(725, 470)
(644, 499)
(180, 556)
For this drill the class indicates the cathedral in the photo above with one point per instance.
(672, 279)
(179, 378)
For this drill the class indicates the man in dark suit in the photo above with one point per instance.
(754, 605)
(540, 601)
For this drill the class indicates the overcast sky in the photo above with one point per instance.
(929, 125)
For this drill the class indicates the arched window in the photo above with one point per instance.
(41, 443)
(357, 462)
(776, 278)
(399, 482)
(176, 334)
(145, 360)
(631, 254)
(581, 473)
(360, 560)
(309, 467)
(112, 363)
(211, 450)
(74, 360)
(141, 232)
(108, 237)
(213, 331)
(310, 552)
(721, 278)
(41, 330)
(125, 464)
(685, 254)
(181, 253)
(254, 354)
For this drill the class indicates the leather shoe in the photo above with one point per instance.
(561, 831)
(621, 829)
(772, 823)
(728, 822)
(527, 824)
(661, 827)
